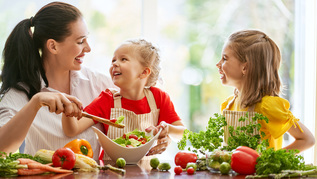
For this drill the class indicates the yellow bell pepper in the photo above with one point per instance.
(80, 146)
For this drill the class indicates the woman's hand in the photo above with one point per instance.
(163, 140)
(60, 103)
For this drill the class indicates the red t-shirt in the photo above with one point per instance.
(101, 106)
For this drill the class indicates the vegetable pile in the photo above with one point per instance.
(24, 164)
(249, 154)
(134, 138)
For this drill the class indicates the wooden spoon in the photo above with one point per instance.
(102, 120)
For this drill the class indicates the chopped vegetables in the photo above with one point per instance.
(134, 138)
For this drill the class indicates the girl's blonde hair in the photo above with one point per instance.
(263, 60)
(150, 58)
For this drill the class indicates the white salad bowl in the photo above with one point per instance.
(115, 151)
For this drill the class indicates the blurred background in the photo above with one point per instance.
(190, 35)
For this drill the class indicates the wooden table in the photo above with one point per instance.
(139, 171)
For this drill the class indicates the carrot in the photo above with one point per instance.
(46, 167)
(25, 171)
(27, 161)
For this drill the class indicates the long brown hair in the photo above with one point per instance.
(263, 60)
(23, 64)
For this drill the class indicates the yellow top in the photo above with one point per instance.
(276, 109)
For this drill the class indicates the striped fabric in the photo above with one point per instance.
(131, 120)
(232, 118)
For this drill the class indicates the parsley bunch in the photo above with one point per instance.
(243, 136)
(205, 140)
(272, 161)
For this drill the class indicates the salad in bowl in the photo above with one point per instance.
(132, 146)
(134, 138)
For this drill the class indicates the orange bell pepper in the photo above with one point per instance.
(80, 146)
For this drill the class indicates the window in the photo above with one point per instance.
(190, 35)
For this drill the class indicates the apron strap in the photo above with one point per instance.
(116, 97)
(150, 98)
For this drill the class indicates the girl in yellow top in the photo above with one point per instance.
(250, 62)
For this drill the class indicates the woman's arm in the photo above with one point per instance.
(303, 140)
(15, 130)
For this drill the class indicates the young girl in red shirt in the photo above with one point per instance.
(135, 70)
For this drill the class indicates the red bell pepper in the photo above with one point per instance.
(243, 160)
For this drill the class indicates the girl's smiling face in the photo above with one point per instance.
(126, 67)
(231, 69)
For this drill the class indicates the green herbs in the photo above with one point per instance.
(9, 163)
(205, 140)
(243, 136)
(213, 136)
(15, 156)
(272, 161)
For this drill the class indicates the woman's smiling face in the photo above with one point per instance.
(230, 68)
(72, 49)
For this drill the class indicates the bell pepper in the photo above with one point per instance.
(243, 160)
(80, 146)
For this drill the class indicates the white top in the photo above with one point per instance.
(46, 131)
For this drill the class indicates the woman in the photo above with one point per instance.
(42, 77)
(43, 68)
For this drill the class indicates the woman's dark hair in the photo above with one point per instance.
(23, 64)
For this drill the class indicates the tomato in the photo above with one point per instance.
(142, 140)
(124, 136)
(190, 170)
(182, 158)
(243, 160)
(64, 157)
(132, 136)
(114, 120)
(178, 170)
(129, 146)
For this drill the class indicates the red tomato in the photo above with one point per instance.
(178, 170)
(65, 158)
(124, 136)
(132, 136)
(129, 146)
(142, 140)
(182, 158)
(243, 160)
(248, 150)
(190, 170)
(114, 120)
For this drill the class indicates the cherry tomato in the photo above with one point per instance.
(124, 136)
(190, 170)
(114, 120)
(132, 136)
(178, 170)
(65, 158)
(182, 158)
(142, 140)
